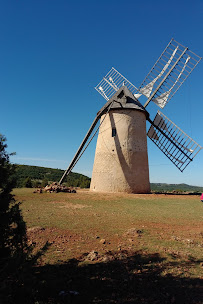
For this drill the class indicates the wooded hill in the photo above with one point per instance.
(175, 187)
(33, 176)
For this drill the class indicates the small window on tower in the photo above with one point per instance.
(113, 132)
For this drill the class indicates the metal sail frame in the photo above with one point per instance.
(112, 82)
(179, 147)
(169, 72)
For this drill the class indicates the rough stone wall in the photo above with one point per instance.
(121, 162)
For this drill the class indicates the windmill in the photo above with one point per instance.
(121, 159)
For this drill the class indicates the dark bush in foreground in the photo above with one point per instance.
(12, 227)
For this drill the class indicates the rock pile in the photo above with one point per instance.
(54, 187)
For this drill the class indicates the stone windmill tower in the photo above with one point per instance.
(121, 159)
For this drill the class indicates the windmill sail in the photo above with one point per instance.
(146, 90)
(169, 72)
(172, 141)
(112, 82)
(162, 99)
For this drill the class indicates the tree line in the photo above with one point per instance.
(34, 176)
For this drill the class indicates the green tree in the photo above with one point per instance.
(85, 183)
(28, 182)
(44, 182)
(13, 241)
(36, 183)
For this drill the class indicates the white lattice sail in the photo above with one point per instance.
(169, 72)
(172, 141)
(112, 83)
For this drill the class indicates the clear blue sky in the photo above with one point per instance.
(52, 55)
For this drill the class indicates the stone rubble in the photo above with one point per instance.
(55, 187)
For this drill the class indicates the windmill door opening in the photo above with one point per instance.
(113, 132)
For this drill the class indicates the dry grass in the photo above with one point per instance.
(75, 223)
(109, 248)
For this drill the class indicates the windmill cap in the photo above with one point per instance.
(124, 99)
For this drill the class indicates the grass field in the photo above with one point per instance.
(114, 248)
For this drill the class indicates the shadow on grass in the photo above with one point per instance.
(120, 279)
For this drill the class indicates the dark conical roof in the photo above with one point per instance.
(124, 99)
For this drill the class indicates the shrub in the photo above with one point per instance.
(28, 182)
(44, 182)
(13, 241)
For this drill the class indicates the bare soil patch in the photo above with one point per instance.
(70, 205)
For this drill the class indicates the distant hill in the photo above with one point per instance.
(175, 187)
(42, 175)
(39, 175)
